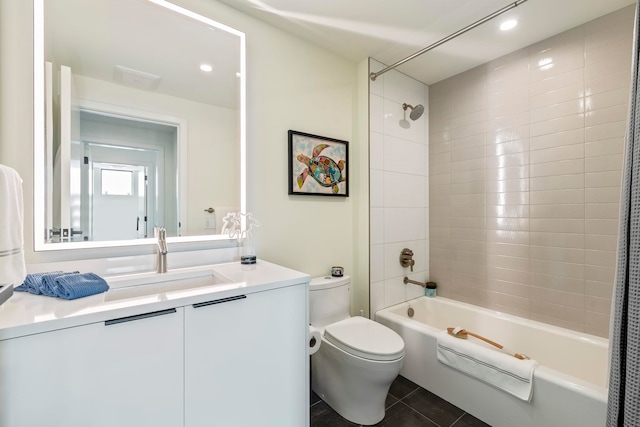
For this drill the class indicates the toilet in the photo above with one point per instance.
(357, 360)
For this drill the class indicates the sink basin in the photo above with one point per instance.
(143, 284)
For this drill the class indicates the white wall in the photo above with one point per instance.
(399, 188)
(292, 84)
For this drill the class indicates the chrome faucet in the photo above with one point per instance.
(160, 233)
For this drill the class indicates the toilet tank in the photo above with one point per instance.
(329, 300)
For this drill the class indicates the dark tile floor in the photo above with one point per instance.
(408, 405)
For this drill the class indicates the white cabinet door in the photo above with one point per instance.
(246, 361)
(126, 372)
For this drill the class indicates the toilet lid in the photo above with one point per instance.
(365, 338)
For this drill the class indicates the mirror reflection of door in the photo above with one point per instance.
(125, 162)
(121, 196)
(119, 208)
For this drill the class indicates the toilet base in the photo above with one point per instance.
(354, 387)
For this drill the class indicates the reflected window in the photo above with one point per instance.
(116, 182)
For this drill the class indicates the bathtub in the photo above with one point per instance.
(569, 385)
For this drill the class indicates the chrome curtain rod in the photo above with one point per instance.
(373, 76)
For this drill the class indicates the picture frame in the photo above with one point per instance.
(318, 165)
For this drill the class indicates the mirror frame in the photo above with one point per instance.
(39, 238)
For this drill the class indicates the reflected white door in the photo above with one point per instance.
(121, 201)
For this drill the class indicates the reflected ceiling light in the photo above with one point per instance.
(508, 25)
(206, 68)
(545, 63)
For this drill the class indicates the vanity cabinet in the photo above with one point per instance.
(123, 372)
(238, 360)
(245, 360)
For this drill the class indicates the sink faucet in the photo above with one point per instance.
(160, 233)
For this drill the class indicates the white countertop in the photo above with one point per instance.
(26, 314)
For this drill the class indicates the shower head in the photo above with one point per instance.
(416, 111)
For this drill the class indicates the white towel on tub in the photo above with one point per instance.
(490, 365)
(12, 266)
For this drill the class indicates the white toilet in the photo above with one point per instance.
(358, 358)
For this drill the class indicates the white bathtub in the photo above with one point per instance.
(569, 384)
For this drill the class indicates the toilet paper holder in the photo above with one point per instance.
(315, 340)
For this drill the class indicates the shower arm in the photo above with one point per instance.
(495, 14)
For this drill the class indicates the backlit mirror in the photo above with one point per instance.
(139, 122)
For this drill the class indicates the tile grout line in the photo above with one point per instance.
(316, 402)
(418, 412)
(391, 406)
(409, 394)
(459, 418)
(421, 414)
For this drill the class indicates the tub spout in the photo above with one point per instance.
(160, 233)
(407, 280)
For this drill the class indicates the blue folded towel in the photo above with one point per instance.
(76, 285)
(71, 286)
(48, 286)
(33, 283)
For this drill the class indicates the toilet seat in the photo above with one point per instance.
(365, 338)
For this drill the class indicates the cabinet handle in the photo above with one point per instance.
(218, 301)
(139, 317)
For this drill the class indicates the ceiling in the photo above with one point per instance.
(390, 30)
(127, 42)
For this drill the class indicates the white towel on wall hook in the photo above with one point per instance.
(12, 266)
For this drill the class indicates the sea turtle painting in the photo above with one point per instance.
(323, 169)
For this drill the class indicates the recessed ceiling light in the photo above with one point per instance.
(508, 25)
(206, 68)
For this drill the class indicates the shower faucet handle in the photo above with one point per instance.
(406, 258)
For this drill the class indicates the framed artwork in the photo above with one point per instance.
(318, 165)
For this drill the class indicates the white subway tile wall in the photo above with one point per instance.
(399, 188)
(525, 169)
